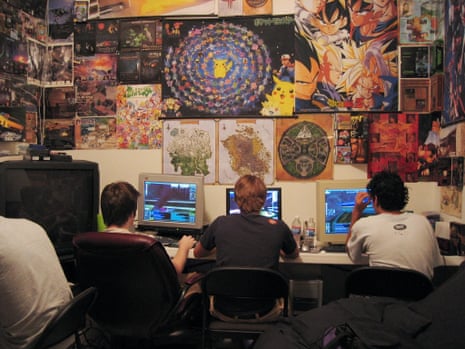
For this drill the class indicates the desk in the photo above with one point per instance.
(326, 258)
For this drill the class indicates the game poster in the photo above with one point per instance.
(36, 56)
(393, 145)
(96, 132)
(85, 39)
(138, 111)
(60, 102)
(228, 67)
(95, 85)
(345, 60)
(59, 134)
(60, 18)
(12, 124)
(454, 70)
(304, 148)
(58, 67)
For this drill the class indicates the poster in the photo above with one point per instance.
(345, 60)
(228, 67)
(304, 148)
(189, 148)
(245, 146)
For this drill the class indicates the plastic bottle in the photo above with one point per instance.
(296, 229)
(309, 238)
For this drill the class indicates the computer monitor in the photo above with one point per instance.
(171, 203)
(271, 208)
(335, 202)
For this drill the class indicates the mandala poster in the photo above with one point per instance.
(304, 149)
(189, 148)
(228, 67)
(245, 147)
(346, 55)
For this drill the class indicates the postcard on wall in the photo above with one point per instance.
(84, 39)
(12, 124)
(58, 67)
(189, 148)
(245, 146)
(229, 67)
(106, 36)
(138, 111)
(60, 102)
(96, 132)
(81, 10)
(304, 148)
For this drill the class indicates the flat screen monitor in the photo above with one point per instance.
(271, 208)
(335, 202)
(171, 203)
(62, 197)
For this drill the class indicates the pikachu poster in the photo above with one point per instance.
(228, 67)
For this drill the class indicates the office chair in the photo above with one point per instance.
(240, 284)
(405, 284)
(68, 321)
(139, 295)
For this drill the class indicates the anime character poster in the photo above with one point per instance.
(393, 144)
(304, 148)
(454, 72)
(229, 67)
(346, 55)
(138, 126)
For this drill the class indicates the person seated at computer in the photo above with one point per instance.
(119, 205)
(33, 285)
(391, 238)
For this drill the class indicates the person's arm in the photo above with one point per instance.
(184, 245)
(362, 200)
(200, 251)
(292, 255)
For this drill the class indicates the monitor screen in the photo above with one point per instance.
(170, 202)
(62, 197)
(271, 208)
(335, 202)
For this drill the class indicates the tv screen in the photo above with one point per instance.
(335, 202)
(63, 197)
(170, 203)
(271, 208)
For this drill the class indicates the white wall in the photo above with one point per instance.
(298, 197)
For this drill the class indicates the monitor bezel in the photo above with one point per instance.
(321, 187)
(276, 189)
(172, 226)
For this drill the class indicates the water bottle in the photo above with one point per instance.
(296, 229)
(309, 236)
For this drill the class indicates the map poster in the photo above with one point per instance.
(189, 148)
(304, 149)
(245, 147)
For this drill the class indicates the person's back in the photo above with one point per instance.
(391, 238)
(248, 240)
(33, 285)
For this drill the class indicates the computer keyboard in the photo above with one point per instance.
(341, 248)
(167, 241)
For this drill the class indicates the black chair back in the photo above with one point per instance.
(69, 321)
(136, 281)
(405, 284)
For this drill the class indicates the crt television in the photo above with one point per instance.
(335, 201)
(271, 208)
(61, 196)
(171, 203)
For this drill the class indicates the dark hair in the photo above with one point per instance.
(250, 193)
(118, 202)
(389, 189)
